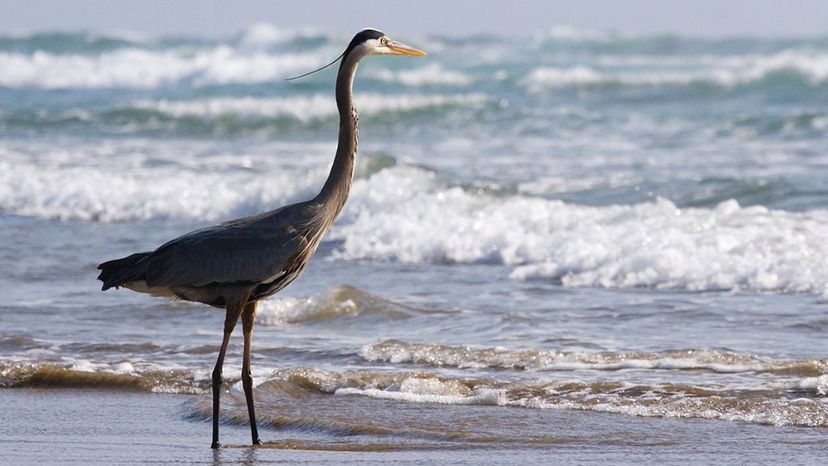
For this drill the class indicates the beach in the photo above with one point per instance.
(88, 426)
(568, 246)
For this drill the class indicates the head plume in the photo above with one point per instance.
(360, 38)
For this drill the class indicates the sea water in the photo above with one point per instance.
(559, 221)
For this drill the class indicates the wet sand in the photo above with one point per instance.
(76, 426)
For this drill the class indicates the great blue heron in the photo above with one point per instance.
(235, 264)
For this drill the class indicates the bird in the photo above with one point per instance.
(237, 263)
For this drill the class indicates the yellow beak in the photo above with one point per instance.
(402, 49)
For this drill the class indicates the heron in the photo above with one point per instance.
(237, 263)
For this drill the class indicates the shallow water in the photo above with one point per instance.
(90, 427)
(615, 224)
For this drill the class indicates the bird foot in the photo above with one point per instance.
(257, 442)
(215, 445)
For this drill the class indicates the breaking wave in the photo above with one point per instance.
(304, 108)
(339, 301)
(228, 116)
(147, 69)
(425, 76)
(799, 404)
(409, 214)
(718, 361)
(770, 406)
(259, 54)
(119, 376)
(794, 66)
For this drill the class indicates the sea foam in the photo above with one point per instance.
(729, 71)
(717, 361)
(428, 75)
(760, 406)
(409, 214)
(337, 302)
(303, 108)
(146, 69)
(140, 184)
(249, 62)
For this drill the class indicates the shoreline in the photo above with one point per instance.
(96, 426)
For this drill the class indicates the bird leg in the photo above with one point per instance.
(230, 319)
(248, 317)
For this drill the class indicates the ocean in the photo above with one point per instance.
(544, 228)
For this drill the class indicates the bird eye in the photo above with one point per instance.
(383, 41)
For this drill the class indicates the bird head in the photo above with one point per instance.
(369, 42)
(373, 42)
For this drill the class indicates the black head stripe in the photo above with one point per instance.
(362, 37)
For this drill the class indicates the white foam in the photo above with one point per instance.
(265, 35)
(502, 358)
(659, 400)
(295, 310)
(131, 186)
(432, 74)
(802, 413)
(545, 77)
(572, 34)
(101, 195)
(84, 365)
(818, 385)
(484, 397)
(143, 68)
(654, 71)
(304, 108)
(338, 301)
(413, 387)
(406, 215)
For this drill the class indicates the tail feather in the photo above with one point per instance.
(116, 272)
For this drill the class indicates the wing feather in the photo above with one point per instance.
(251, 250)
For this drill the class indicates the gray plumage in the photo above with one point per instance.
(265, 252)
(237, 263)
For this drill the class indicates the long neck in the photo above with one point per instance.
(338, 184)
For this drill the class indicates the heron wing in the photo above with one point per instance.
(243, 251)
